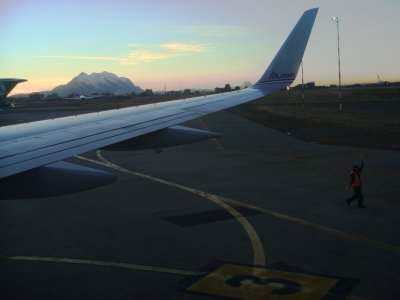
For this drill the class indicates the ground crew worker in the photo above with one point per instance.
(356, 184)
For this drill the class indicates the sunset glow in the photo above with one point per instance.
(191, 44)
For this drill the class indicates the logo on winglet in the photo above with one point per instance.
(275, 76)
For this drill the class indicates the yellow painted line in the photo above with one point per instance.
(312, 225)
(99, 263)
(317, 226)
(258, 250)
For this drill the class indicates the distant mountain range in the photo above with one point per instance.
(103, 82)
(84, 84)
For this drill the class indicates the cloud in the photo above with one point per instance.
(160, 52)
(146, 56)
(184, 48)
(165, 51)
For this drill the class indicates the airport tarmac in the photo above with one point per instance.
(256, 214)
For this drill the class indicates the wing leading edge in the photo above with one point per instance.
(24, 147)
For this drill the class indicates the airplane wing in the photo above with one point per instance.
(31, 154)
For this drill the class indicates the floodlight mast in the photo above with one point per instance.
(302, 83)
(336, 19)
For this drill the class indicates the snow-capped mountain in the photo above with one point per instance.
(103, 82)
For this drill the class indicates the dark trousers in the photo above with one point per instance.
(357, 195)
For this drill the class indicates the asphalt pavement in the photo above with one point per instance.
(257, 214)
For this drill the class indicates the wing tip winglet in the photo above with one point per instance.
(284, 67)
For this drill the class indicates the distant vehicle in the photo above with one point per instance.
(31, 154)
(82, 97)
(77, 97)
(6, 86)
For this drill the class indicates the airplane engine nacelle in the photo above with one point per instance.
(171, 136)
(53, 180)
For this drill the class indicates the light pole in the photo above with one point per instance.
(302, 82)
(336, 19)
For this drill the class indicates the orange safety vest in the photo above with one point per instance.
(357, 179)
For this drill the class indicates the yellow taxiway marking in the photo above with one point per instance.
(236, 281)
(245, 282)
(312, 225)
(309, 224)
(100, 263)
(258, 250)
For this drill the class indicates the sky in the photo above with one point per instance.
(192, 44)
